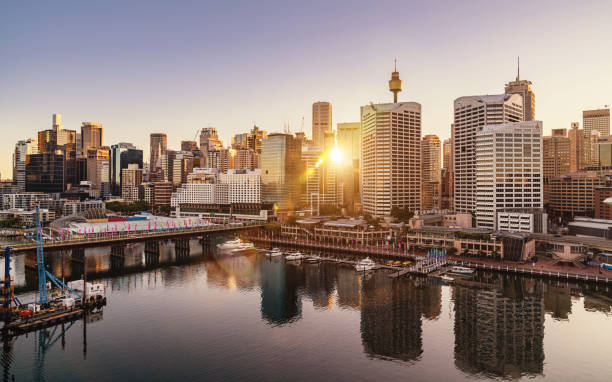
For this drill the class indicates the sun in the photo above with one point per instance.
(336, 155)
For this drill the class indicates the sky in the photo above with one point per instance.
(140, 67)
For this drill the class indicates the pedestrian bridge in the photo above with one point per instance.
(101, 239)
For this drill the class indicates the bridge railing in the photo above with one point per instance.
(102, 237)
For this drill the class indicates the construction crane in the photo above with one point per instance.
(42, 272)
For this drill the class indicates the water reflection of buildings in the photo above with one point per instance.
(280, 302)
(391, 318)
(348, 288)
(499, 329)
(319, 283)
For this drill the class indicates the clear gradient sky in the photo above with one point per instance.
(175, 66)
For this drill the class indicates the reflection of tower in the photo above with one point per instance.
(395, 84)
(558, 302)
(320, 284)
(348, 287)
(432, 301)
(280, 302)
(499, 331)
(391, 318)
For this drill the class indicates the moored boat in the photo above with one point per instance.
(274, 252)
(294, 256)
(365, 265)
(461, 270)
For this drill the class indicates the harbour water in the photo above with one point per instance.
(188, 311)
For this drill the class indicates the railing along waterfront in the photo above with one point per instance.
(110, 237)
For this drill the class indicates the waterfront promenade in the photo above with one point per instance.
(543, 268)
(110, 238)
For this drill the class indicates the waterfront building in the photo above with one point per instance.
(596, 120)
(121, 156)
(584, 226)
(440, 219)
(281, 170)
(573, 194)
(508, 171)
(73, 207)
(390, 157)
(321, 122)
(27, 218)
(430, 172)
(471, 114)
(348, 136)
(523, 88)
(157, 146)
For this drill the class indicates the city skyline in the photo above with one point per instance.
(150, 79)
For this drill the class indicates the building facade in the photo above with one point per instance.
(281, 170)
(508, 171)
(390, 157)
(321, 121)
(471, 114)
(158, 145)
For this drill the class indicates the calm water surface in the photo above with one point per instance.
(180, 312)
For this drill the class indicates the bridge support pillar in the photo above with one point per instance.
(151, 252)
(181, 248)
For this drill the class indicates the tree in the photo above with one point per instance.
(402, 214)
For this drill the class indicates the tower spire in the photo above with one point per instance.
(395, 84)
(518, 68)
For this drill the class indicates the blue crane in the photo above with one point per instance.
(40, 260)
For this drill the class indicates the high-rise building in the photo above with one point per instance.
(446, 176)
(45, 172)
(577, 147)
(166, 171)
(598, 119)
(281, 170)
(22, 150)
(447, 154)
(158, 146)
(249, 141)
(311, 156)
(348, 136)
(508, 171)
(523, 88)
(122, 155)
(91, 137)
(246, 159)
(603, 153)
(430, 172)
(321, 121)
(390, 157)
(131, 178)
(555, 158)
(47, 141)
(472, 113)
(189, 146)
(220, 158)
(573, 194)
(98, 168)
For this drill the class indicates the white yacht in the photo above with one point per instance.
(461, 270)
(230, 244)
(274, 252)
(243, 247)
(365, 265)
(447, 279)
(294, 256)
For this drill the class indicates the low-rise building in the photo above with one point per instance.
(77, 207)
(440, 219)
(583, 226)
(522, 221)
(27, 218)
(348, 231)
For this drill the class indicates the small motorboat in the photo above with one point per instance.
(457, 270)
(365, 265)
(229, 244)
(274, 252)
(294, 256)
(447, 279)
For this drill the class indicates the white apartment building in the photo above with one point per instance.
(522, 222)
(391, 157)
(472, 113)
(508, 172)
(232, 187)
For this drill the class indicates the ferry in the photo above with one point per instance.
(294, 256)
(461, 270)
(606, 266)
(365, 265)
(274, 252)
